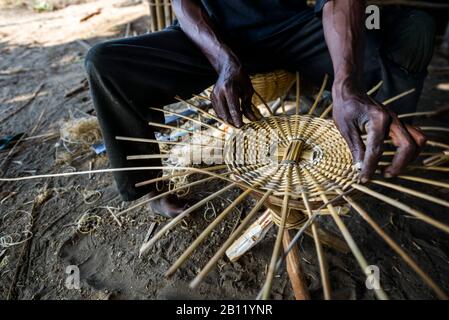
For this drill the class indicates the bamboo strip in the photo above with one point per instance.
(399, 96)
(319, 251)
(412, 192)
(393, 245)
(349, 239)
(166, 126)
(278, 242)
(207, 114)
(426, 181)
(213, 261)
(320, 94)
(188, 185)
(180, 261)
(403, 207)
(168, 177)
(189, 118)
(144, 140)
(147, 156)
(180, 217)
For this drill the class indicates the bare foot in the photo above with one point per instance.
(169, 206)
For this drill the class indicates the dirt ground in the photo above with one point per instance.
(41, 76)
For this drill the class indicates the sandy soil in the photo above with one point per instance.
(46, 51)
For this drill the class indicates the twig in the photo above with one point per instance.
(90, 15)
(26, 104)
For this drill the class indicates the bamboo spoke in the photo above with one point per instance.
(207, 114)
(403, 207)
(213, 261)
(206, 233)
(146, 246)
(399, 96)
(348, 238)
(278, 243)
(188, 185)
(174, 175)
(430, 128)
(319, 251)
(201, 132)
(144, 140)
(426, 181)
(189, 119)
(320, 94)
(147, 156)
(412, 192)
(393, 245)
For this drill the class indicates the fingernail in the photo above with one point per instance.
(364, 179)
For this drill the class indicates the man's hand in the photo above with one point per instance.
(354, 111)
(232, 95)
(358, 114)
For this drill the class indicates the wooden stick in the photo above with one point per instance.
(403, 207)
(294, 270)
(181, 216)
(206, 233)
(240, 229)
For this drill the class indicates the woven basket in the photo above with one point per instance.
(272, 85)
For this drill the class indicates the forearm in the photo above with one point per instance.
(197, 25)
(343, 22)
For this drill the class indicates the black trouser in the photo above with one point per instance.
(127, 76)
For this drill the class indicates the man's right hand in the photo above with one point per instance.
(232, 95)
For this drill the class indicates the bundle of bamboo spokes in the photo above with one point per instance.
(299, 167)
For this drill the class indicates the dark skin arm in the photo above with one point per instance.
(231, 97)
(354, 111)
